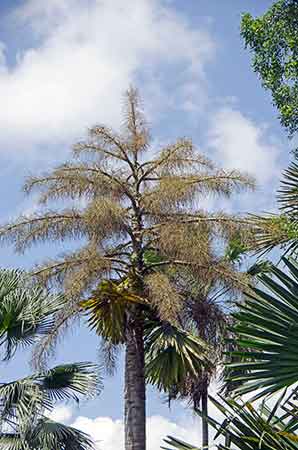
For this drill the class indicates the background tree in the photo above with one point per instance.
(136, 205)
(206, 314)
(26, 314)
(273, 40)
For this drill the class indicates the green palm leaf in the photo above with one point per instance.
(49, 435)
(26, 312)
(21, 400)
(280, 230)
(70, 381)
(288, 192)
(106, 309)
(247, 428)
(12, 441)
(266, 333)
(172, 354)
(178, 444)
(28, 397)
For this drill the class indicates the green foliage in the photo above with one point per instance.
(178, 444)
(266, 334)
(151, 257)
(235, 249)
(280, 230)
(172, 354)
(248, 428)
(47, 435)
(27, 313)
(107, 307)
(273, 40)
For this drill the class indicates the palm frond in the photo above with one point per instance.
(22, 400)
(280, 230)
(247, 428)
(106, 309)
(178, 444)
(272, 231)
(172, 354)
(70, 381)
(287, 195)
(13, 441)
(49, 435)
(266, 334)
(26, 312)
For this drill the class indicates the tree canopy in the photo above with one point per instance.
(273, 40)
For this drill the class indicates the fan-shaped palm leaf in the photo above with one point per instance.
(12, 441)
(70, 381)
(23, 399)
(107, 309)
(26, 312)
(288, 192)
(266, 333)
(20, 400)
(46, 435)
(272, 230)
(172, 354)
(49, 435)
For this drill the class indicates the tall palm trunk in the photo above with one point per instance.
(134, 391)
(204, 405)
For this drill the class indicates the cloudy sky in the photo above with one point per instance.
(64, 65)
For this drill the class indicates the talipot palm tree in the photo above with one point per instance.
(26, 314)
(139, 211)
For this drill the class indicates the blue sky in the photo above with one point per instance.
(64, 65)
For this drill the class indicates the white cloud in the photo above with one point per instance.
(108, 434)
(61, 414)
(239, 143)
(85, 57)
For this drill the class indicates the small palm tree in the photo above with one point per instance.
(26, 314)
(139, 212)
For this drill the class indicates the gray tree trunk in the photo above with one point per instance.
(204, 402)
(134, 390)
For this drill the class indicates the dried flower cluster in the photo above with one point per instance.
(132, 204)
